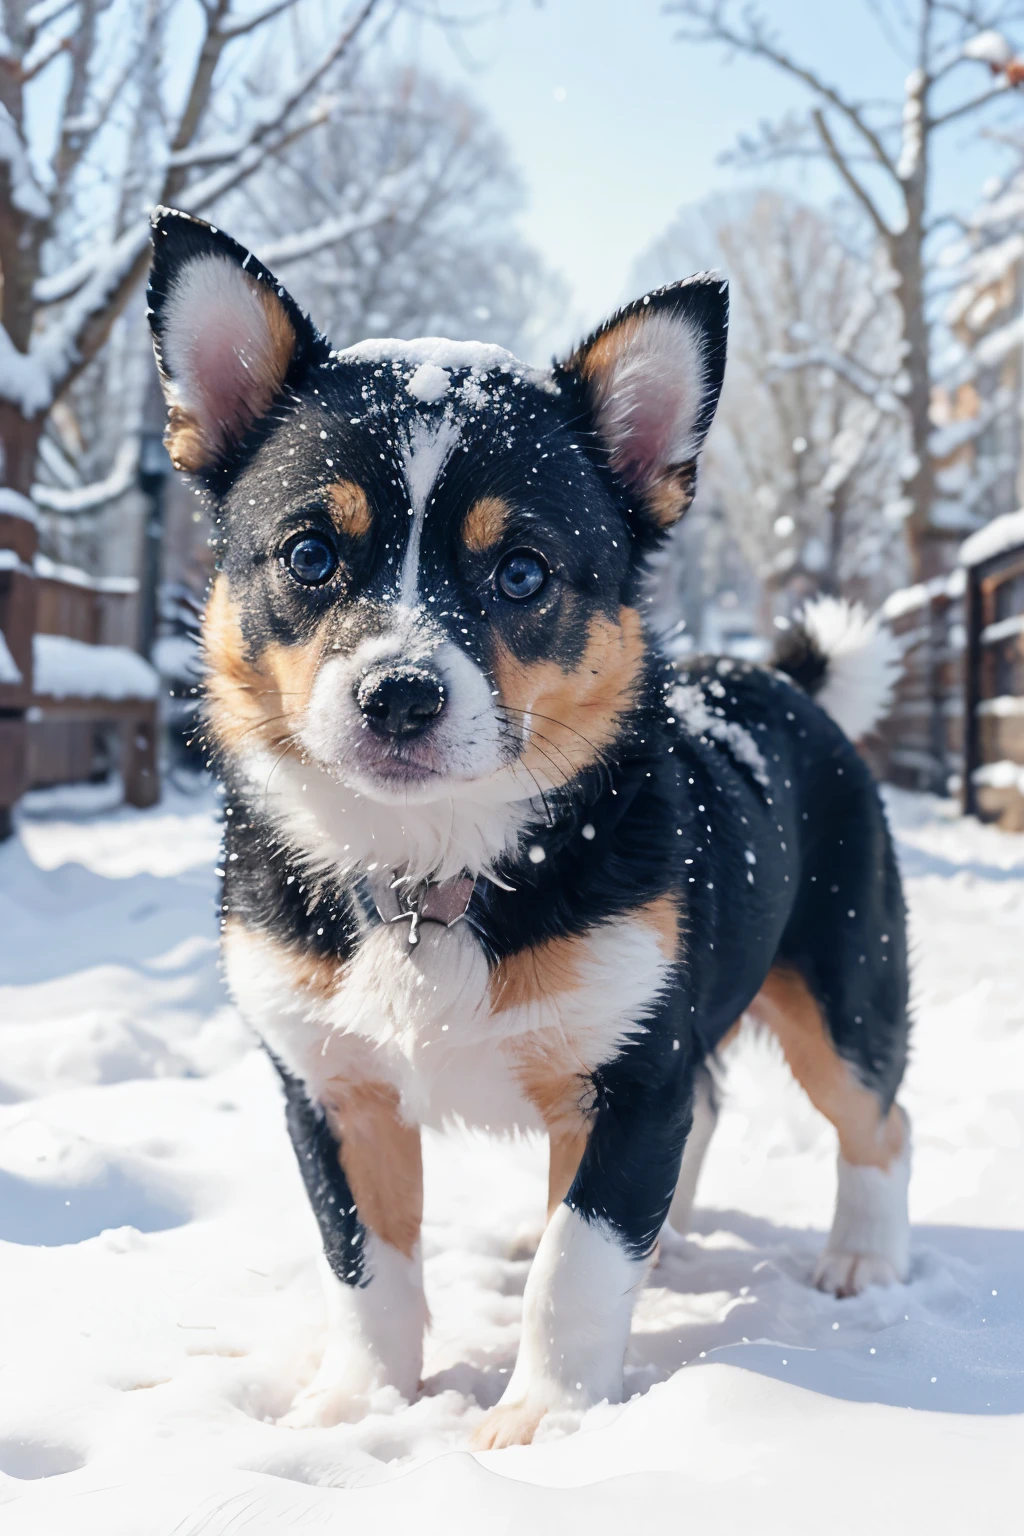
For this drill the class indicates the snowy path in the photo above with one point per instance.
(159, 1307)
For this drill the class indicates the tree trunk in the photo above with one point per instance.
(19, 440)
(19, 444)
(923, 549)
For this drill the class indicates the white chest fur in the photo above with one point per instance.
(423, 1018)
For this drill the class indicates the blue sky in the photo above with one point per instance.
(615, 125)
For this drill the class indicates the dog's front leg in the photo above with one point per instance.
(362, 1169)
(593, 1257)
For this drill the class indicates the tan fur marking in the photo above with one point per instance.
(381, 1158)
(670, 495)
(350, 508)
(319, 975)
(184, 440)
(576, 713)
(785, 1006)
(259, 702)
(662, 915)
(607, 350)
(380, 1152)
(485, 523)
(556, 1083)
(282, 347)
(565, 1150)
(533, 974)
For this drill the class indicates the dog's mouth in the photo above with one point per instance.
(373, 764)
(400, 764)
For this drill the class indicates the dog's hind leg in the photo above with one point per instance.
(361, 1165)
(870, 1239)
(705, 1118)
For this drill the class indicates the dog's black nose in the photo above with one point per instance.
(400, 704)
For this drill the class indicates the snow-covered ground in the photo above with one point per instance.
(159, 1305)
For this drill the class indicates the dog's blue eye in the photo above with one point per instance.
(521, 574)
(311, 560)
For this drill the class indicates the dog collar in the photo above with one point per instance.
(424, 901)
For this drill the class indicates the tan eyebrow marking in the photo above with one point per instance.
(485, 523)
(350, 508)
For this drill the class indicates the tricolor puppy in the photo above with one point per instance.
(489, 857)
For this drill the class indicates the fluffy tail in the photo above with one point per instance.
(844, 659)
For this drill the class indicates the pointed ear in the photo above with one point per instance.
(651, 377)
(226, 337)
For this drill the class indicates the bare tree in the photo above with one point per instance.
(803, 468)
(883, 154)
(393, 217)
(73, 233)
(448, 261)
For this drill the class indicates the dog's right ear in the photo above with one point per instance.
(226, 337)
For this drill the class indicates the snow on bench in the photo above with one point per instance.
(71, 669)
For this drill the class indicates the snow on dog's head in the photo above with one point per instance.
(429, 553)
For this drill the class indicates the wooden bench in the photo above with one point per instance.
(68, 672)
(79, 688)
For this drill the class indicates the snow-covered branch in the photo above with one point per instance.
(820, 354)
(238, 26)
(273, 128)
(841, 162)
(32, 381)
(754, 37)
(25, 192)
(973, 104)
(43, 54)
(23, 381)
(39, 16)
(61, 285)
(87, 498)
(383, 206)
(988, 47)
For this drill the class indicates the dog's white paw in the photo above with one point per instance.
(847, 1274)
(507, 1424)
(323, 1404)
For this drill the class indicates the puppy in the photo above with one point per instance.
(489, 857)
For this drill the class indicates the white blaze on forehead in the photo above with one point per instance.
(427, 448)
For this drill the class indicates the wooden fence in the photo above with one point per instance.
(957, 724)
(994, 673)
(920, 743)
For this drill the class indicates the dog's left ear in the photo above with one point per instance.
(650, 378)
(227, 338)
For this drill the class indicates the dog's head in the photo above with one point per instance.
(429, 553)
